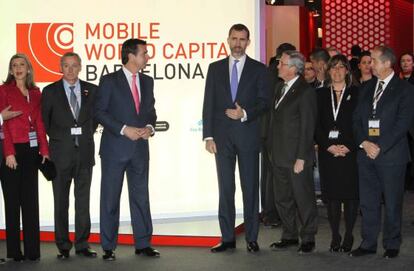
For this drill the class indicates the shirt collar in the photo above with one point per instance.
(67, 85)
(387, 79)
(291, 82)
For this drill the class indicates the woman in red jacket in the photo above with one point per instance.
(24, 140)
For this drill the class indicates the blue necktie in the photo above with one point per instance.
(234, 83)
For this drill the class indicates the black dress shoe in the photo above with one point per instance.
(63, 254)
(109, 255)
(307, 247)
(253, 246)
(87, 252)
(19, 259)
(2, 261)
(223, 246)
(148, 251)
(347, 244)
(391, 253)
(335, 245)
(361, 252)
(284, 243)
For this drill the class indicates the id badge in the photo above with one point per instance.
(33, 139)
(373, 127)
(76, 131)
(333, 134)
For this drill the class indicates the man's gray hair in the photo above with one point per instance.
(297, 60)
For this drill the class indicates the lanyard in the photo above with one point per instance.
(377, 96)
(30, 118)
(335, 111)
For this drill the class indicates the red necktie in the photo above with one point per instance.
(135, 93)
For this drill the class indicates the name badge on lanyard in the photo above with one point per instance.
(334, 133)
(76, 131)
(373, 127)
(33, 139)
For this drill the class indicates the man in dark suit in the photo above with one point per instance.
(125, 108)
(236, 94)
(67, 110)
(381, 122)
(319, 58)
(291, 129)
(5, 115)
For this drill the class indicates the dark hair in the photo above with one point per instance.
(386, 54)
(70, 54)
(130, 46)
(363, 53)
(356, 50)
(239, 27)
(333, 62)
(29, 83)
(320, 54)
(283, 48)
(406, 54)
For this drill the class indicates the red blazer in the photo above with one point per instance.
(17, 130)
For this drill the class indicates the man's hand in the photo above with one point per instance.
(371, 149)
(211, 146)
(7, 114)
(11, 161)
(132, 133)
(145, 132)
(299, 165)
(235, 114)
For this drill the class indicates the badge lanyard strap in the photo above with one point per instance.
(375, 101)
(30, 118)
(335, 112)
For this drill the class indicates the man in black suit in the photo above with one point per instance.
(291, 129)
(319, 58)
(5, 115)
(381, 122)
(125, 108)
(68, 117)
(236, 94)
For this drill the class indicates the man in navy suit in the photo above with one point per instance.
(236, 94)
(125, 108)
(381, 122)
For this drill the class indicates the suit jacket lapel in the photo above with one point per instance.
(291, 92)
(125, 88)
(226, 74)
(387, 94)
(61, 93)
(84, 101)
(142, 88)
(244, 76)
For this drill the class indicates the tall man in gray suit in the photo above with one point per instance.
(236, 94)
(67, 109)
(291, 129)
(5, 115)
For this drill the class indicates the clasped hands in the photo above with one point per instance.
(235, 114)
(372, 150)
(135, 133)
(338, 150)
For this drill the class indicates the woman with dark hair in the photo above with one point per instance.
(364, 72)
(337, 150)
(24, 139)
(407, 67)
